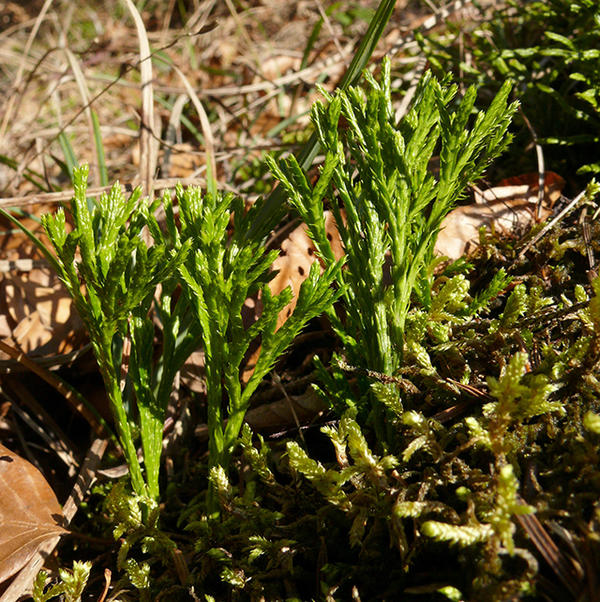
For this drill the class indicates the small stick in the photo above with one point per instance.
(541, 166)
(551, 224)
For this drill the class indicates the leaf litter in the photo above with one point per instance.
(29, 512)
(30, 319)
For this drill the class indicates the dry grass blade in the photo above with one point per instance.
(57, 197)
(85, 98)
(8, 115)
(552, 223)
(148, 155)
(211, 175)
(29, 512)
(549, 550)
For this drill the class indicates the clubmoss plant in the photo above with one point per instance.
(70, 587)
(218, 277)
(378, 173)
(117, 279)
(112, 275)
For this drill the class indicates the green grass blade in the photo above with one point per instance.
(36, 241)
(28, 174)
(314, 34)
(68, 153)
(102, 171)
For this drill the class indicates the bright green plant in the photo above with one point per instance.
(112, 275)
(221, 273)
(378, 172)
(116, 278)
(70, 587)
(550, 51)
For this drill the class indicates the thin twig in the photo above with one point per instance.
(66, 195)
(539, 151)
(280, 386)
(552, 223)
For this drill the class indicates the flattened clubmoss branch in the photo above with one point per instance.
(69, 588)
(520, 396)
(219, 276)
(112, 276)
(501, 524)
(378, 172)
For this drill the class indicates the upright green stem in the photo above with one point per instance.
(111, 380)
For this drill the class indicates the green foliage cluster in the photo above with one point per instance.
(446, 489)
(119, 265)
(221, 274)
(106, 252)
(69, 588)
(429, 474)
(550, 50)
(377, 172)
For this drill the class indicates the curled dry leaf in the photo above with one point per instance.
(29, 512)
(507, 208)
(36, 312)
(460, 229)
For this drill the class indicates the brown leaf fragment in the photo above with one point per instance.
(29, 512)
(460, 228)
(507, 208)
(553, 185)
(37, 314)
(278, 415)
(298, 253)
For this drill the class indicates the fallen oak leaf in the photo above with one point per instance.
(29, 512)
(507, 208)
(460, 229)
(40, 318)
(553, 186)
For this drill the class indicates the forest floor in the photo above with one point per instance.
(231, 82)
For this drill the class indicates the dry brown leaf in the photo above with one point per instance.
(278, 415)
(29, 512)
(508, 208)
(38, 314)
(184, 160)
(283, 413)
(276, 66)
(298, 253)
(460, 228)
(553, 185)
